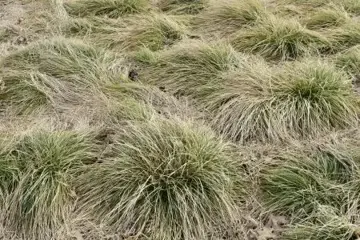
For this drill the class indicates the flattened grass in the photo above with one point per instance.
(109, 8)
(164, 180)
(278, 39)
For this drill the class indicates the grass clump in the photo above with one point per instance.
(182, 6)
(65, 58)
(26, 93)
(302, 100)
(109, 8)
(302, 182)
(278, 39)
(319, 96)
(332, 16)
(344, 37)
(351, 6)
(150, 101)
(154, 31)
(326, 223)
(164, 180)
(349, 60)
(308, 3)
(44, 194)
(182, 69)
(9, 173)
(46, 72)
(226, 17)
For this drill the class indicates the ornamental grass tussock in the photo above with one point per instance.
(223, 18)
(155, 31)
(182, 6)
(161, 178)
(109, 8)
(40, 190)
(183, 69)
(52, 71)
(327, 17)
(279, 39)
(301, 100)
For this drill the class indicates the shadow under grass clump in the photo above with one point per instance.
(43, 195)
(302, 100)
(223, 18)
(278, 39)
(109, 8)
(164, 180)
(154, 31)
(182, 6)
(189, 65)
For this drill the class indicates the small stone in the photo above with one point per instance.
(133, 75)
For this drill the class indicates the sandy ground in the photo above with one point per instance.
(13, 30)
(11, 12)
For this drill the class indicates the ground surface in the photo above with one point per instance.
(179, 120)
